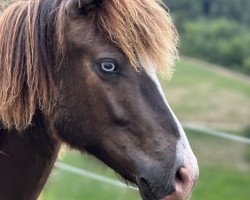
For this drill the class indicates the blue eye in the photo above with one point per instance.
(108, 66)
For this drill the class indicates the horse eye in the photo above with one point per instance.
(108, 66)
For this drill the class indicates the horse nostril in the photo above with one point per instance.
(183, 179)
(179, 176)
(184, 183)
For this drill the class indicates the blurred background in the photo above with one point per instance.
(209, 92)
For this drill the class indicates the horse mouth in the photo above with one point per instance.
(145, 190)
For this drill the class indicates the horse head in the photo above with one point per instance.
(107, 100)
(116, 111)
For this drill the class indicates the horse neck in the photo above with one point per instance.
(26, 160)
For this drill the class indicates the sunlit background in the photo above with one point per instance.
(209, 90)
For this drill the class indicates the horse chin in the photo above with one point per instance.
(176, 196)
(147, 194)
(145, 191)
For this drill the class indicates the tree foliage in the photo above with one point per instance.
(237, 10)
(214, 30)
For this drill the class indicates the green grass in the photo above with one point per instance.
(66, 186)
(224, 169)
(217, 183)
(199, 95)
(190, 75)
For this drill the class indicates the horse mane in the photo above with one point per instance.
(27, 43)
(141, 27)
(32, 42)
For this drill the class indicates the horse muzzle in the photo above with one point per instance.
(178, 189)
(177, 185)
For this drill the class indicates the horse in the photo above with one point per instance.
(83, 73)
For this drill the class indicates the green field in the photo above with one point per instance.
(203, 96)
(198, 95)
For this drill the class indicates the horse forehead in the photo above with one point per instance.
(91, 40)
(84, 33)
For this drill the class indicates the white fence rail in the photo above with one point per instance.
(91, 175)
(215, 133)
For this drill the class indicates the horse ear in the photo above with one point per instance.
(76, 8)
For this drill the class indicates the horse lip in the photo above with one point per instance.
(145, 190)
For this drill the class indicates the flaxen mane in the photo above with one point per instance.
(26, 61)
(32, 43)
(144, 27)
